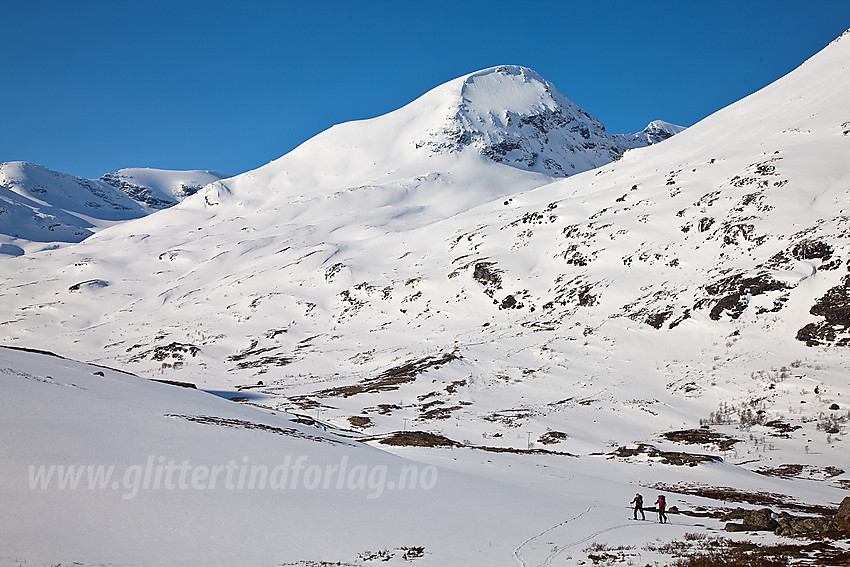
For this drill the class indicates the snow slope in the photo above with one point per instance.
(352, 189)
(160, 188)
(142, 514)
(44, 206)
(396, 274)
(39, 205)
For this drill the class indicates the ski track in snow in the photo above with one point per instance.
(517, 551)
(560, 548)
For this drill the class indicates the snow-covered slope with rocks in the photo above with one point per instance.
(400, 276)
(160, 188)
(170, 474)
(512, 115)
(44, 206)
(38, 205)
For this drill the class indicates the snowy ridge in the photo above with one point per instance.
(656, 131)
(38, 205)
(433, 158)
(42, 205)
(512, 115)
(158, 188)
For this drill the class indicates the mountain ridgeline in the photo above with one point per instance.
(509, 114)
(38, 205)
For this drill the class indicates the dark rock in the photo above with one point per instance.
(551, 437)
(751, 520)
(703, 436)
(487, 275)
(585, 298)
(735, 290)
(418, 439)
(666, 457)
(705, 224)
(805, 525)
(842, 517)
(733, 527)
(176, 383)
(834, 307)
(812, 249)
(510, 302)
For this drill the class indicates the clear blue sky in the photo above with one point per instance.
(94, 86)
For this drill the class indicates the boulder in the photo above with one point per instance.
(805, 525)
(842, 517)
(751, 520)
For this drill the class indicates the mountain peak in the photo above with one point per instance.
(509, 88)
(512, 115)
(508, 114)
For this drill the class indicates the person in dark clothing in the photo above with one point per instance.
(662, 508)
(638, 502)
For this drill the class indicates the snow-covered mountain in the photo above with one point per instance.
(512, 115)
(506, 114)
(40, 205)
(424, 280)
(160, 188)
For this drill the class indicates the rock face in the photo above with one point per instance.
(139, 194)
(842, 517)
(834, 307)
(511, 115)
(158, 188)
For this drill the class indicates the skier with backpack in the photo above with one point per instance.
(638, 502)
(662, 507)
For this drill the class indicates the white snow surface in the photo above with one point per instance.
(39, 206)
(160, 188)
(402, 273)
(92, 415)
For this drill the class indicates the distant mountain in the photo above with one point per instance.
(434, 157)
(656, 131)
(159, 188)
(40, 205)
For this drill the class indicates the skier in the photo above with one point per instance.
(638, 502)
(662, 506)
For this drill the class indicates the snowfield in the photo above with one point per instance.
(39, 206)
(485, 288)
